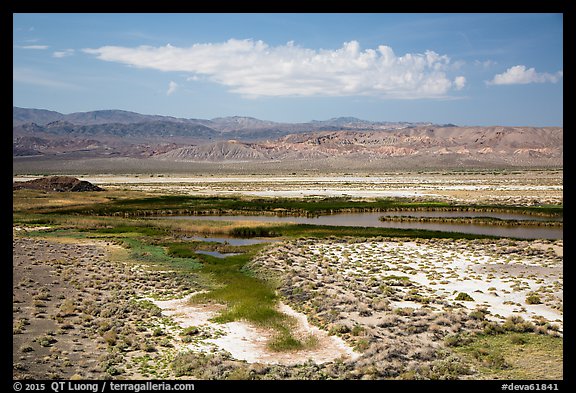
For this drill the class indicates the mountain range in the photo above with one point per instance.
(114, 133)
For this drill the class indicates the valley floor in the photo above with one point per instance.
(98, 297)
(507, 187)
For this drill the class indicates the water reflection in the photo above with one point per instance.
(217, 254)
(372, 220)
(225, 240)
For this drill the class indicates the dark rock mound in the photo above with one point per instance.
(57, 183)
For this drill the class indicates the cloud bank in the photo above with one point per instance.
(255, 69)
(519, 75)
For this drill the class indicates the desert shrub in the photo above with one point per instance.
(166, 343)
(190, 331)
(364, 311)
(387, 290)
(39, 303)
(458, 339)
(42, 296)
(404, 311)
(493, 328)
(443, 320)
(46, 341)
(201, 365)
(450, 368)
(110, 337)
(362, 344)
(533, 299)
(114, 370)
(330, 315)
(478, 314)
(239, 374)
(463, 296)
(491, 359)
(147, 346)
(516, 323)
(339, 328)
(402, 281)
(19, 325)
(417, 327)
(357, 330)
(518, 339)
(388, 320)
(381, 305)
(153, 309)
(26, 348)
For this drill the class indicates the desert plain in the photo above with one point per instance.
(107, 285)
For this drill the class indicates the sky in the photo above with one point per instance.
(465, 69)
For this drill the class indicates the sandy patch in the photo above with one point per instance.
(246, 342)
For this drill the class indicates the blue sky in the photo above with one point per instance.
(466, 69)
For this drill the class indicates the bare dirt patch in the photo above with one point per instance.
(247, 342)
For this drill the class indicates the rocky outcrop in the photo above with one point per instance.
(57, 183)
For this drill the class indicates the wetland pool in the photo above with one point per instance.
(372, 219)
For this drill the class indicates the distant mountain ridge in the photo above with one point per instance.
(43, 117)
(501, 144)
(115, 133)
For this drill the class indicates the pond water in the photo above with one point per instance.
(217, 254)
(227, 240)
(372, 220)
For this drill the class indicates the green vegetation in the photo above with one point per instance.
(492, 221)
(188, 249)
(244, 232)
(247, 297)
(499, 356)
(198, 205)
(463, 296)
(326, 231)
(147, 230)
(151, 254)
(533, 298)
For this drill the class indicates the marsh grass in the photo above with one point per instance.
(515, 355)
(140, 251)
(247, 298)
(188, 249)
(177, 204)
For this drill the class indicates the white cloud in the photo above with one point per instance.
(63, 53)
(459, 82)
(172, 86)
(253, 68)
(41, 47)
(519, 75)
